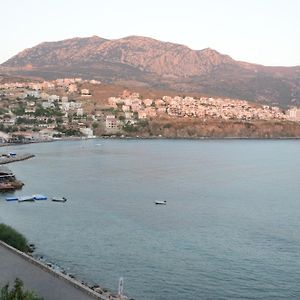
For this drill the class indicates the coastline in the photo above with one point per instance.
(113, 137)
(96, 288)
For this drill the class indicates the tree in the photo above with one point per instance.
(129, 128)
(95, 125)
(17, 292)
(13, 238)
(20, 111)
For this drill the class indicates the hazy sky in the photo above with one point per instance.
(258, 31)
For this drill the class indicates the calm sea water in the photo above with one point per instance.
(230, 229)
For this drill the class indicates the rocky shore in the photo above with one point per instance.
(8, 181)
(44, 279)
(104, 293)
(187, 128)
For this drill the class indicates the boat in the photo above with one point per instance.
(40, 197)
(11, 198)
(161, 202)
(26, 199)
(59, 199)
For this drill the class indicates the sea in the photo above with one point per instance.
(230, 228)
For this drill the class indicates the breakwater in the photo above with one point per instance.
(19, 157)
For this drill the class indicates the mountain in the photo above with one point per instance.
(142, 61)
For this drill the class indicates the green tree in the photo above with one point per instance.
(129, 128)
(95, 125)
(143, 123)
(13, 238)
(58, 120)
(3, 111)
(17, 292)
(19, 111)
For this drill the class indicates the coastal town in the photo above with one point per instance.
(69, 107)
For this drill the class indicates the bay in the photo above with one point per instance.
(230, 229)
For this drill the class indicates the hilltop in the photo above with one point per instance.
(142, 61)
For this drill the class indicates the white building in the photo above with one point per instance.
(64, 99)
(79, 112)
(53, 98)
(85, 92)
(293, 114)
(47, 105)
(87, 132)
(65, 106)
(111, 122)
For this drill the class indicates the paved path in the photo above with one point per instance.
(38, 278)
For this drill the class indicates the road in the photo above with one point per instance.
(44, 282)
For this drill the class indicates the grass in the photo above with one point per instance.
(13, 238)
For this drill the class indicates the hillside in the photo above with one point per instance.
(141, 61)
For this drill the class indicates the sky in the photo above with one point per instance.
(257, 31)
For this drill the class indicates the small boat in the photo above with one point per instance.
(11, 198)
(26, 199)
(40, 197)
(59, 199)
(161, 202)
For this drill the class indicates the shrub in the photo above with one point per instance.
(13, 238)
(17, 292)
(143, 123)
(129, 128)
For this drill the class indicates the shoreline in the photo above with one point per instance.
(96, 288)
(96, 292)
(112, 137)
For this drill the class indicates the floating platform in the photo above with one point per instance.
(26, 199)
(11, 198)
(40, 197)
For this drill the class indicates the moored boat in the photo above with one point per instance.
(59, 199)
(161, 202)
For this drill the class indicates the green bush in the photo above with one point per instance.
(143, 123)
(17, 292)
(129, 128)
(13, 238)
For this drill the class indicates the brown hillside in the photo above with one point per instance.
(147, 62)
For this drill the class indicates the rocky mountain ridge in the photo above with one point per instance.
(143, 61)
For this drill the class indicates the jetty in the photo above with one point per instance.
(12, 157)
(46, 282)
